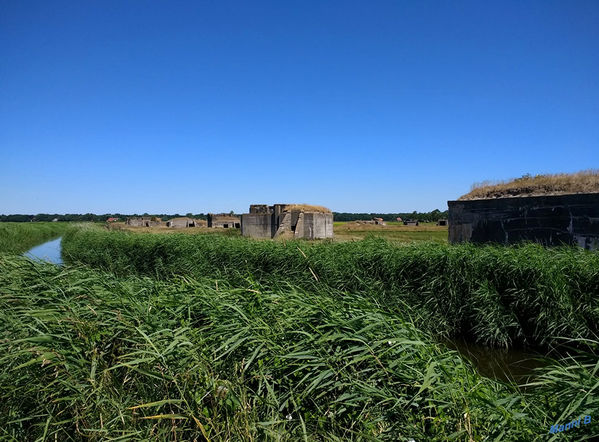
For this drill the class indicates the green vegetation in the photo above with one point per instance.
(20, 237)
(393, 231)
(208, 337)
(500, 296)
(88, 355)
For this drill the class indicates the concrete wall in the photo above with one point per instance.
(315, 226)
(294, 224)
(259, 208)
(257, 225)
(226, 221)
(179, 223)
(142, 222)
(549, 220)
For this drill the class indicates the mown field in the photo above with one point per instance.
(197, 337)
(392, 231)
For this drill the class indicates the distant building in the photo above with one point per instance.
(379, 221)
(442, 222)
(223, 221)
(287, 221)
(144, 221)
(181, 222)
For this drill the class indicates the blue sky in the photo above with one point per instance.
(386, 106)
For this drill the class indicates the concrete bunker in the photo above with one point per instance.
(223, 221)
(287, 221)
(143, 221)
(181, 222)
(522, 210)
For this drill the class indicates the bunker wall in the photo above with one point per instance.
(317, 225)
(257, 225)
(549, 220)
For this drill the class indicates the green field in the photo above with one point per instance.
(204, 337)
(392, 231)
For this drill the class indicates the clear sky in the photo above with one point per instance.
(196, 106)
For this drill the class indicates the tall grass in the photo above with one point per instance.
(20, 237)
(502, 296)
(88, 355)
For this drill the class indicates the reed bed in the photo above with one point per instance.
(496, 295)
(20, 237)
(87, 355)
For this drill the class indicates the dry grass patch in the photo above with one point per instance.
(586, 181)
(306, 208)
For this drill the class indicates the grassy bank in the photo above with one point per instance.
(496, 295)
(86, 354)
(20, 237)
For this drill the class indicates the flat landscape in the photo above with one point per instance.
(344, 231)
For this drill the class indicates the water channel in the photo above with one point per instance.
(49, 251)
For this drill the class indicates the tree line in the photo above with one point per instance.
(90, 217)
(433, 216)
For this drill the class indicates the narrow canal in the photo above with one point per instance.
(49, 251)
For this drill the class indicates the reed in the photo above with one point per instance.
(20, 237)
(87, 355)
(501, 296)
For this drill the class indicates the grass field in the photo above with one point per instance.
(207, 337)
(344, 231)
(393, 231)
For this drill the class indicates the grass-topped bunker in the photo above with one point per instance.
(549, 209)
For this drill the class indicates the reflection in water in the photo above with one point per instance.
(503, 364)
(48, 251)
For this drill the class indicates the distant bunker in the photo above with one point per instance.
(223, 221)
(143, 221)
(287, 221)
(181, 222)
(571, 219)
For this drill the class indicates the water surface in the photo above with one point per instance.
(48, 251)
(508, 365)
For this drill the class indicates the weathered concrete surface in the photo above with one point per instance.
(317, 225)
(223, 221)
(259, 208)
(143, 221)
(549, 220)
(179, 223)
(285, 226)
(257, 225)
(274, 222)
